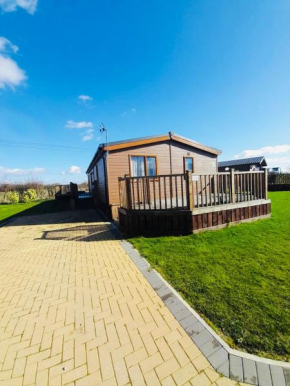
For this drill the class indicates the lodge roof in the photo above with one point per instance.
(243, 161)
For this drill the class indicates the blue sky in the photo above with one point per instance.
(214, 71)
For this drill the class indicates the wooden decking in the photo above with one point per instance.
(170, 203)
(178, 203)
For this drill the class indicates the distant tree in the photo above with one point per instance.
(12, 197)
(29, 195)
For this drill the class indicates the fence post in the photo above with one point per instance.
(266, 184)
(232, 175)
(120, 191)
(128, 192)
(189, 189)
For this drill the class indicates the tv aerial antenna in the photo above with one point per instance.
(103, 129)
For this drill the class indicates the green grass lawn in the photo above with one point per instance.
(237, 278)
(8, 211)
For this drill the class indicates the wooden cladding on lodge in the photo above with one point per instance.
(119, 162)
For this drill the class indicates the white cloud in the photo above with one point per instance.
(7, 46)
(74, 170)
(12, 5)
(20, 172)
(282, 162)
(131, 111)
(278, 149)
(78, 125)
(86, 101)
(89, 135)
(11, 74)
(85, 98)
(269, 152)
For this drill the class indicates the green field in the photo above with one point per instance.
(237, 278)
(8, 211)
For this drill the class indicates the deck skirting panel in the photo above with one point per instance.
(155, 223)
(222, 218)
(182, 222)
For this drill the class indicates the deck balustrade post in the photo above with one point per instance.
(128, 193)
(233, 193)
(266, 184)
(189, 189)
(120, 191)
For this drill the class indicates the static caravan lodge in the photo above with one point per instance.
(166, 154)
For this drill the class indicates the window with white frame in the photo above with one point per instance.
(143, 166)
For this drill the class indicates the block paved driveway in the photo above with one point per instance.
(75, 310)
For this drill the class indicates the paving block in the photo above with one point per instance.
(110, 294)
(236, 368)
(157, 284)
(142, 265)
(171, 301)
(277, 374)
(186, 322)
(170, 295)
(287, 376)
(183, 314)
(224, 369)
(264, 375)
(210, 347)
(250, 372)
(150, 275)
(176, 306)
(154, 279)
(202, 338)
(218, 358)
(163, 290)
(195, 329)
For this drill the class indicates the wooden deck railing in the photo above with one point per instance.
(71, 189)
(63, 189)
(189, 191)
(162, 192)
(228, 188)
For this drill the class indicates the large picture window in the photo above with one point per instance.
(143, 166)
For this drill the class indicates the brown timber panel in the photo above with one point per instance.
(183, 222)
(213, 219)
(153, 223)
(119, 162)
(203, 162)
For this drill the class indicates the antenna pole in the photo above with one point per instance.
(102, 129)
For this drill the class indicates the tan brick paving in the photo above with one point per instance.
(75, 310)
